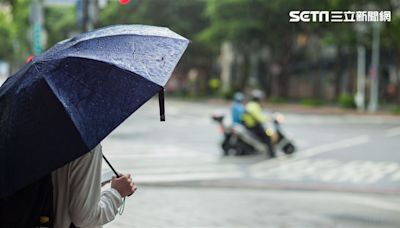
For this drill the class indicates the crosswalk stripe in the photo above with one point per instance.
(395, 176)
(393, 132)
(157, 166)
(332, 170)
(171, 177)
(334, 146)
(318, 150)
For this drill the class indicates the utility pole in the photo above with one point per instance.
(361, 29)
(374, 70)
(89, 14)
(36, 26)
(360, 96)
(227, 59)
(85, 15)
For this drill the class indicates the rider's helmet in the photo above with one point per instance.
(238, 97)
(256, 95)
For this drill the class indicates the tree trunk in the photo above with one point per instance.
(283, 83)
(226, 62)
(317, 84)
(285, 62)
(339, 71)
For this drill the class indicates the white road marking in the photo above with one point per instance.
(318, 150)
(200, 168)
(149, 163)
(161, 155)
(178, 169)
(395, 176)
(366, 172)
(393, 132)
(371, 202)
(334, 146)
(312, 119)
(171, 177)
(333, 171)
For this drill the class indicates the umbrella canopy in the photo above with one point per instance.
(67, 100)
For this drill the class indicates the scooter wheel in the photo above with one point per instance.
(233, 151)
(289, 148)
(230, 150)
(226, 151)
(226, 147)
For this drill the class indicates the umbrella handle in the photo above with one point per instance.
(162, 104)
(112, 168)
(115, 172)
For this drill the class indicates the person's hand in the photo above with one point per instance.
(123, 184)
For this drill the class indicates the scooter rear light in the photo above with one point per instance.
(280, 118)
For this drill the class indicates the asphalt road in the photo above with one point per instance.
(346, 172)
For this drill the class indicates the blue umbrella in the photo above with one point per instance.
(67, 100)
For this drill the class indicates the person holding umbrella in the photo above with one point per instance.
(77, 198)
(56, 110)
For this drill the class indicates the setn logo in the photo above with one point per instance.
(340, 16)
(309, 16)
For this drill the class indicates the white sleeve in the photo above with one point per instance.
(87, 208)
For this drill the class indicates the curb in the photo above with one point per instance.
(270, 185)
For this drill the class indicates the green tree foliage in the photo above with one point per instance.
(14, 24)
(250, 25)
(186, 17)
(183, 17)
(6, 32)
(60, 23)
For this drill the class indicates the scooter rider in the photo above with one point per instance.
(237, 108)
(253, 119)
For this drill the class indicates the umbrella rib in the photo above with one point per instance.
(98, 60)
(76, 42)
(36, 68)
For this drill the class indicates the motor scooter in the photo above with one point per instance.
(237, 140)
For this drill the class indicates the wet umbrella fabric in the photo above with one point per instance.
(66, 101)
